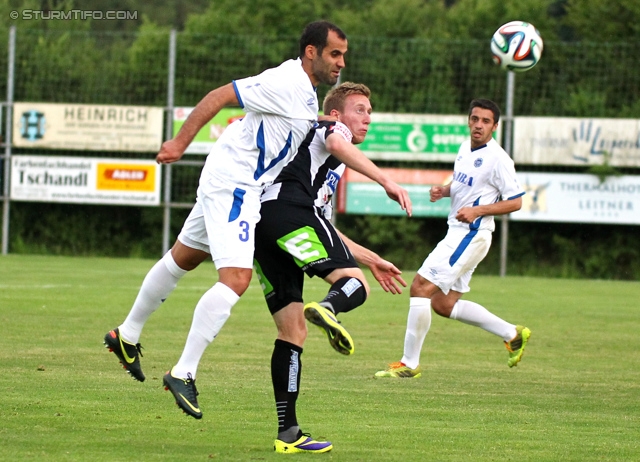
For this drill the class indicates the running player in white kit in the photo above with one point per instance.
(484, 184)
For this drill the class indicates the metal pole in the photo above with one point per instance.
(166, 223)
(7, 148)
(507, 139)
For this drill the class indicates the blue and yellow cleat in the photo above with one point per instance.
(304, 444)
(324, 318)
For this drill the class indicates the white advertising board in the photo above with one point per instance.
(85, 180)
(89, 127)
(580, 198)
(576, 141)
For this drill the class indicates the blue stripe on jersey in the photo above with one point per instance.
(464, 243)
(476, 224)
(238, 200)
(237, 94)
(261, 169)
(516, 196)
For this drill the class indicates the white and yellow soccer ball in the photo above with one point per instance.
(516, 46)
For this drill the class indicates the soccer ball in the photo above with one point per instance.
(516, 46)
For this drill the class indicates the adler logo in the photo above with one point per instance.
(125, 174)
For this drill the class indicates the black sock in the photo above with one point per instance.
(345, 294)
(286, 369)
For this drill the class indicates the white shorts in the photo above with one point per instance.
(451, 264)
(223, 222)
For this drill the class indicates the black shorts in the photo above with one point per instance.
(293, 239)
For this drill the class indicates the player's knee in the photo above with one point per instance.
(421, 287)
(358, 275)
(295, 337)
(418, 286)
(237, 279)
(356, 289)
(293, 330)
(367, 289)
(349, 289)
(187, 258)
(298, 335)
(442, 307)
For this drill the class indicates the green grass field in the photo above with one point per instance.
(575, 396)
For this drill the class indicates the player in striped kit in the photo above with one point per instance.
(484, 184)
(295, 236)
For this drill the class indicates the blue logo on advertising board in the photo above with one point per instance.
(32, 125)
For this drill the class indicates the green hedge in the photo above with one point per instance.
(572, 250)
(535, 249)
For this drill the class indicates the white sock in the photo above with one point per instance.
(212, 311)
(418, 324)
(477, 315)
(156, 287)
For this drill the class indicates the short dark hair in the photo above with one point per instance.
(316, 34)
(486, 104)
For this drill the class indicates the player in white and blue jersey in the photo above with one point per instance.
(281, 106)
(484, 184)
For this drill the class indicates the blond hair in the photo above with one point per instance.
(336, 97)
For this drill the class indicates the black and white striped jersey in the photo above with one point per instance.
(312, 176)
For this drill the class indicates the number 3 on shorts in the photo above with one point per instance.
(244, 234)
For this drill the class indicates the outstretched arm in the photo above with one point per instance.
(353, 158)
(172, 150)
(386, 273)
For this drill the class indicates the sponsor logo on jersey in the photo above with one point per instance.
(304, 245)
(332, 180)
(463, 178)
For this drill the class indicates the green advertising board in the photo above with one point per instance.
(360, 195)
(207, 136)
(415, 137)
(407, 137)
(371, 199)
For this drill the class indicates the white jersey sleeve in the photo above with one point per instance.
(284, 90)
(281, 107)
(505, 180)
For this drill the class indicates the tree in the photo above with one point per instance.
(594, 20)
